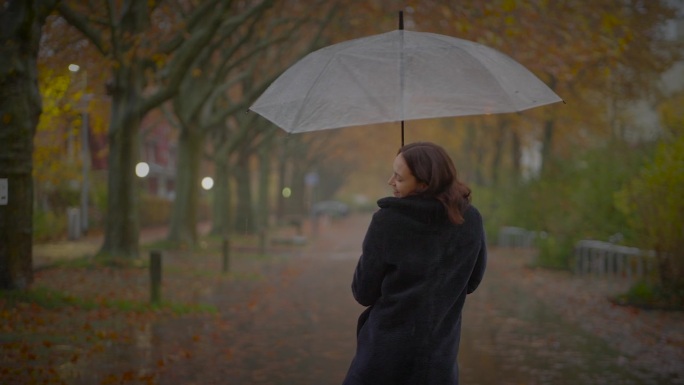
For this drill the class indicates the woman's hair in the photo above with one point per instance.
(430, 164)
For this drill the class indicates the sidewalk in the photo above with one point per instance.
(46, 254)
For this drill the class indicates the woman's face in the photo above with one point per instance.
(402, 181)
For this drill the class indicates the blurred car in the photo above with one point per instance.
(333, 209)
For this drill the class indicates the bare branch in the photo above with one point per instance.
(80, 23)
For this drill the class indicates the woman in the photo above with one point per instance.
(423, 252)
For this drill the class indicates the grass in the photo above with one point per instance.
(185, 266)
(651, 296)
(53, 299)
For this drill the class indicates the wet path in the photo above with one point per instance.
(294, 323)
(511, 337)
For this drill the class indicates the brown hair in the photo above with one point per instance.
(430, 164)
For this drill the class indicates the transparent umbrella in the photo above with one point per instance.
(397, 76)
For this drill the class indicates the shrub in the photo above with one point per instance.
(650, 295)
(653, 202)
(572, 201)
(553, 252)
(48, 226)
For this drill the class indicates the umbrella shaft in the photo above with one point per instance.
(402, 133)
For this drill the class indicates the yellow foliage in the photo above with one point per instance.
(57, 140)
(610, 21)
(508, 5)
(652, 201)
(509, 21)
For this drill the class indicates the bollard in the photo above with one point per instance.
(155, 276)
(263, 240)
(226, 254)
(74, 223)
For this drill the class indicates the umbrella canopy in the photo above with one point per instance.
(396, 76)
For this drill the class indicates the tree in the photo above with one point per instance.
(55, 165)
(214, 74)
(228, 76)
(589, 52)
(20, 106)
(653, 203)
(70, 76)
(149, 46)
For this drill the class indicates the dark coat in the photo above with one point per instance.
(414, 273)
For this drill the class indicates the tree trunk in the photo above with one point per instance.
(282, 183)
(222, 213)
(122, 221)
(263, 204)
(122, 37)
(184, 217)
(547, 145)
(516, 155)
(244, 215)
(548, 133)
(477, 151)
(297, 200)
(498, 149)
(20, 108)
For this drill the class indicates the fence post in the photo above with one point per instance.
(155, 276)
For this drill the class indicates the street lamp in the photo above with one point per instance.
(287, 192)
(142, 169)
(85, 151)
(207, 183)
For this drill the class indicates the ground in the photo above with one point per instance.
(287, 317)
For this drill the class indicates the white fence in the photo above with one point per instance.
(516, 237)
(592, 257)
(604, 258)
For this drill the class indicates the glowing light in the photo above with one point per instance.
(142, 169)
(74, 67)
(207, 183)
(287, 192)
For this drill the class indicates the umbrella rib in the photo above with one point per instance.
(509, 97)
(298, 115)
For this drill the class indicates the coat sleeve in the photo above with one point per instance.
(480, 265)
(371, 268)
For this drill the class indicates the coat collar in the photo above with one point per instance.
(425, 210)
